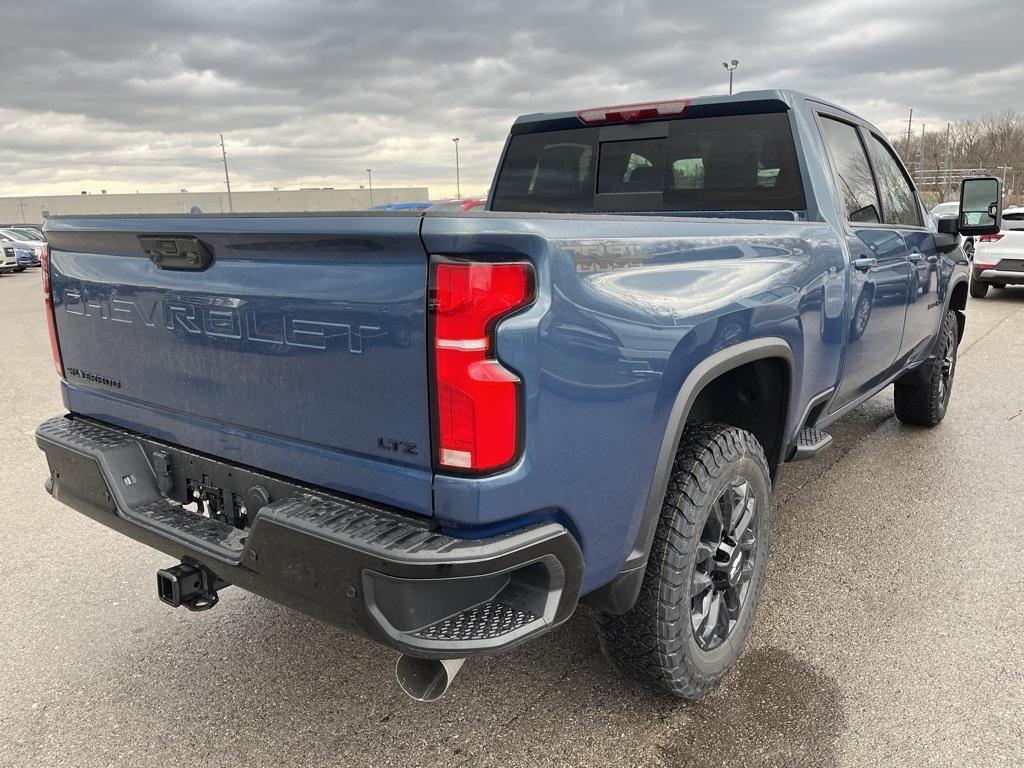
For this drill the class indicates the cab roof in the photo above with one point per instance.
(745, 102)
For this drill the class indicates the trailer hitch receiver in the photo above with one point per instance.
(189, 585)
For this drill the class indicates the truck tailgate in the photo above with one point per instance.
(300, 349)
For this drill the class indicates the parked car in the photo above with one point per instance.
(33, 247)
(455, 427)
(25, 258)
(417, 206)
(462, 205)
(951, 209)
(999, 259)
(8, 258)
(28, 233)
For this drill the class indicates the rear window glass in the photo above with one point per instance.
(742, 162)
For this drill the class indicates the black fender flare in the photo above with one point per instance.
(621, 593)
(920, 374)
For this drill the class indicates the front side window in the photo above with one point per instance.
(899, 206)
(852, 171)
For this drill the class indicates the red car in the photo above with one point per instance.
(463, 205)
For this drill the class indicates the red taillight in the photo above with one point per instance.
(477, 397)
(44, 267)
(631, 113)
(990, 238)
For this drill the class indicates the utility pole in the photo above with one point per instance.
(945, 185)
(1004, 169)
(920, 155)
(909, 121)
(369, 175)
(227, 177)
(21, 207)
(730, 67)
(458, 181)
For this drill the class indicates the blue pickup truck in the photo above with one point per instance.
(444, 432)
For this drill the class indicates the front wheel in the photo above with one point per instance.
(861, 314)
(924, 405)
(705, 570)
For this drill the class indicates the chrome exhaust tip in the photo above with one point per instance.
(426, 679)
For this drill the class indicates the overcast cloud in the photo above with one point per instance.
(131, 94)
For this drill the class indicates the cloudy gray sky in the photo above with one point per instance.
(131, 94)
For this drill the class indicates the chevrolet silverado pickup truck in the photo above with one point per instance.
(444, 431)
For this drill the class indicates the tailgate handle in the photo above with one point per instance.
(176, 252)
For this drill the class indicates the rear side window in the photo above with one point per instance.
(1014, 221)
(852, 171)
(899, 206)
(742, 162)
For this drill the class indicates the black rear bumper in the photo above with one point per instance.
(362, 566)
(1011, 274)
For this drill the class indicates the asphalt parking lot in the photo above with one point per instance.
(891, 630)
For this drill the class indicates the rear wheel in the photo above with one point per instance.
(706, 567)
(978, 289)
(924, 405)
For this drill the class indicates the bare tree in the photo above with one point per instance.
(990, 145)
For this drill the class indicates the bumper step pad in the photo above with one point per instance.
(482, 622)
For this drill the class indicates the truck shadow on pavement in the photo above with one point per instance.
(773, 709)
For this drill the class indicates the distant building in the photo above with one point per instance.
(33, 210)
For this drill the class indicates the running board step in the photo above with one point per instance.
(809, 443)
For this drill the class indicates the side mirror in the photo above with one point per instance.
(980, 206)
(947, 237)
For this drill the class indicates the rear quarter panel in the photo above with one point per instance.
(626, 308)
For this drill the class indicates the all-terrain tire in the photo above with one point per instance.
(655, 641)
(924, 405)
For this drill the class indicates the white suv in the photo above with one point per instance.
(999, 258)
(950, 210)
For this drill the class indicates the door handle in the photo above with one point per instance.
(915, 257)
(933, 259)
(864, 263)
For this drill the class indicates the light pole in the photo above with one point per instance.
(227, 178)
(458, 183)
(369, 175)
(730, 66)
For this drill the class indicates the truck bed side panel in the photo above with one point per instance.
(627, 307)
